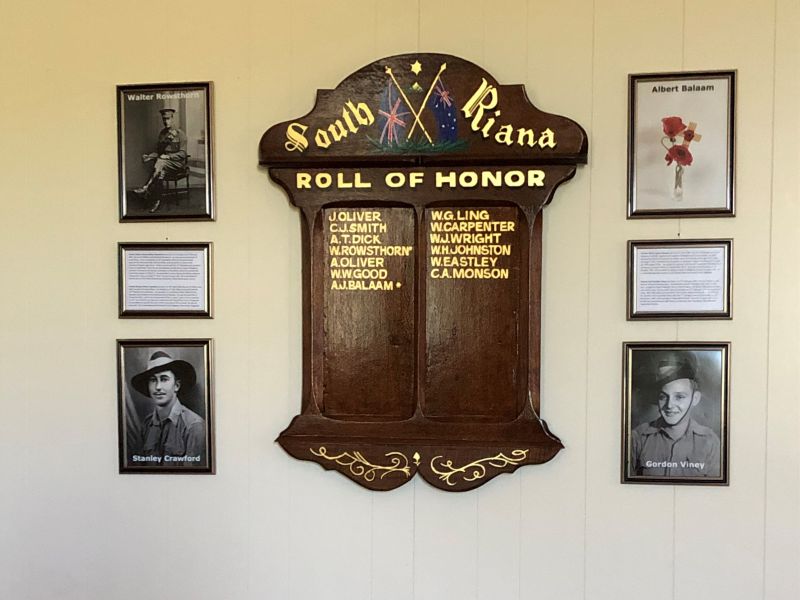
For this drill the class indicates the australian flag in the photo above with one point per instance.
(443, 106)
(392, 117)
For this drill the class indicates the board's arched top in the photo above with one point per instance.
(423, 109)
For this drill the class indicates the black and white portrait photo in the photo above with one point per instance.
(164, 139)
(675, 415)
(165, 406)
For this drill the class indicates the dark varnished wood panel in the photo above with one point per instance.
(368, 312)
(344, 127)
(472, 312)
(466, 436)
(383, 455)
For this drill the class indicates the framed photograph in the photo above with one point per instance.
(164, 147)
(681, 144)
(166, 410)
(679, 279)
(168, 279)
(675, 412)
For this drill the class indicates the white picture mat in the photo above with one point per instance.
(165, 279)
(705, 181)
(680, 278)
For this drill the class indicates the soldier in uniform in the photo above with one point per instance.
(172, 433)
(170, 158)
(675, 444)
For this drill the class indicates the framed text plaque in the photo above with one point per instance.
(420, 181)
(679, 279)
(166, 279)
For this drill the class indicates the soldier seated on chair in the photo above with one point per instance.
(169, 158)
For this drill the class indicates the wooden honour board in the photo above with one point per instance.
(421, 182)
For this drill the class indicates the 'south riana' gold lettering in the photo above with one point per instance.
(481, 114)
(295, 138)
(352, 113)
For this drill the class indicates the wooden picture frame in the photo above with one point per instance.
(165, 406)
(681, 144)
(165, 279)
(164, 141)
(675, 412)
(679, 279)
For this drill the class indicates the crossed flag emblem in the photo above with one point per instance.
(417, 113)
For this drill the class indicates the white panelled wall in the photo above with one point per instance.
(270, 527)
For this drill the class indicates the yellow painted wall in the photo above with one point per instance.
(269, 527)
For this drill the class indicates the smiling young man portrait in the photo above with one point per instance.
(161, 431)
(674, 444)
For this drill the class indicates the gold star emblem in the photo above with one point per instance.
(416, 68)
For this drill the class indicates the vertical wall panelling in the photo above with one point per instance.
(446, 527)
(393, 521)
(705, 515)
(266, 526)
(499, 511)
(622, 521)
(553, 504)
(273, 335)
(330, 536)
(782, 490)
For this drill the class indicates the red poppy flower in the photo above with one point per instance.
(680, 154)
(672, 126)
(688, 135)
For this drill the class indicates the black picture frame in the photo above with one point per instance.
(675, 413)
(165, 168)
(680, 287)
(156, 295)
(668, 106)
(178, 439)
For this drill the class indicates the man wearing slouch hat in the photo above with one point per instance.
(172, 435)
(674, 444)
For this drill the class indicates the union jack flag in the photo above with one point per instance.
(443, 106)
(390, 117)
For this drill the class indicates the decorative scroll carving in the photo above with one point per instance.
(477, 468)
(361, 467)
